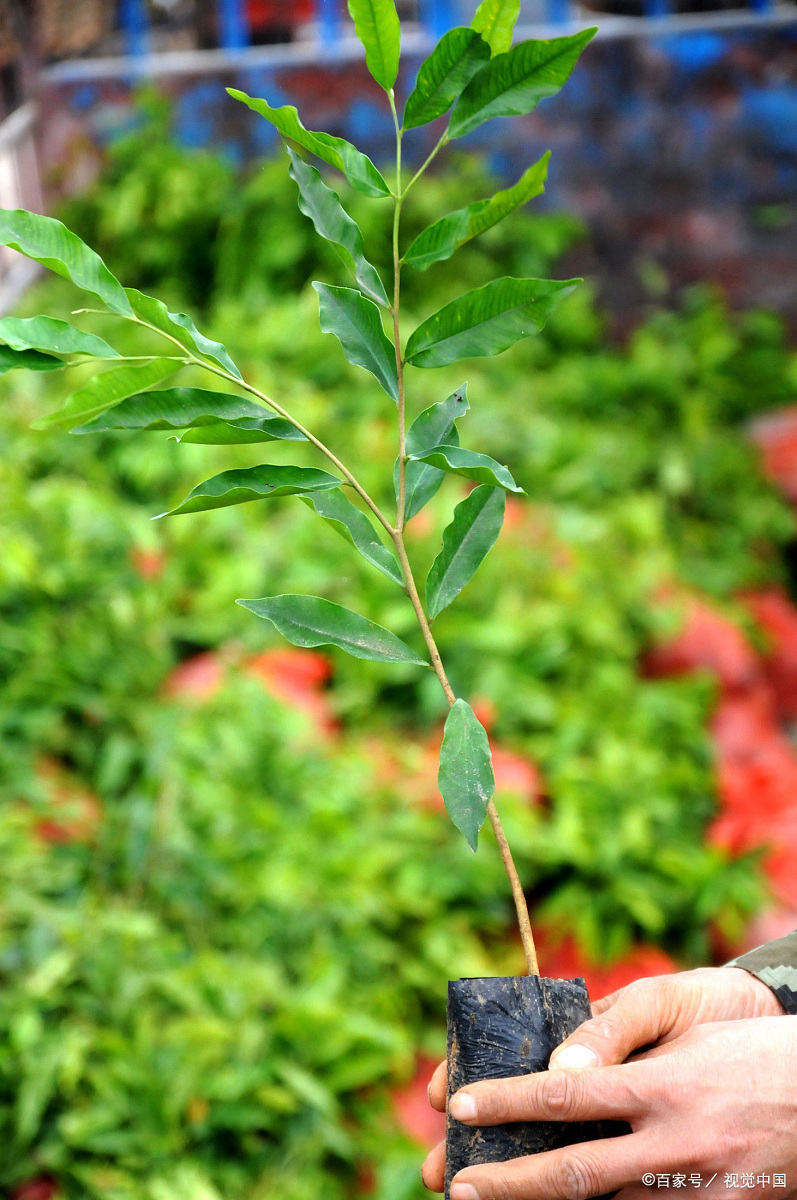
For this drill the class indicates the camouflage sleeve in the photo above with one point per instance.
(775, 964)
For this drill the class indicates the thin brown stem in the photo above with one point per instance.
(193, 360)
(521, 908)
(401, 497)
(319, 445)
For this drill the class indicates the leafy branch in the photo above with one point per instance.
(474, 74)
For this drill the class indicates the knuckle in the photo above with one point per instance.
(503, 1188)
(562, 1094)
(607, 1026)
(577, 1178)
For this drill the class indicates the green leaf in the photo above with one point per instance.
(358, 168)
(332, 222)
(434, 427)
(466, 779)
(252, 483)
(466, 543)
(514, 83)
(444, 75)
(310, 621)
(486, 321)
(357, 325)
(50, 243)
(495, 20)
(471, 465)
(30, 360)
(181, 328)
(378, 28)
(57, 337)
(207, 416)
(105, 390)
(349, 521)
(440, 240)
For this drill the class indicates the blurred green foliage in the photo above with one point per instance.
(206, 995)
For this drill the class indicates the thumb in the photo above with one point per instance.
(641, 1013)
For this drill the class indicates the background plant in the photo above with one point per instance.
(477, 74)
(639, 477)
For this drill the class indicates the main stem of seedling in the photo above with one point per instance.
(397, 535)
(396, 532)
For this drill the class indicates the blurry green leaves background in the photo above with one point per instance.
(210, 985)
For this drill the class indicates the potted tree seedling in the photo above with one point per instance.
(497, 1027)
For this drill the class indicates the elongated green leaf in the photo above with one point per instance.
(252, 483)
(514, 83)
(470, 465)
(495, 20)
(346, 519)
(310, 621)
(377, 25)
(466, 543)
(444, 75)
(248, 431)
(357, 325)
(358, 168)
(440, 240)
(323, 207)
(56, 337)
(486, 321)
(50, 243)
(434, 427)
(28, 359)
(466, 779)
(180, 327)
(105, 390)
(210, 418)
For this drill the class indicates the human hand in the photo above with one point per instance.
(657, 1010)
(720, 1099)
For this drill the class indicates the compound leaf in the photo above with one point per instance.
(351, 523)
(379, 29)
(466, 543)
(495, 20)
(53, 336)
(210, 418)
(49, 242)
(332, 222)
(357, 167)
(434, 427)
(105, 390)
(310, 621)
(253, 483)
(444, 75)
(470, 465)
(466, 779)
(357, 325)
(486, 321)
(514, 83)
(440, 240)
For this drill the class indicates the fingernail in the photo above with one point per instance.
(573, 1056)
(463, 1191)
(463, 1108)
